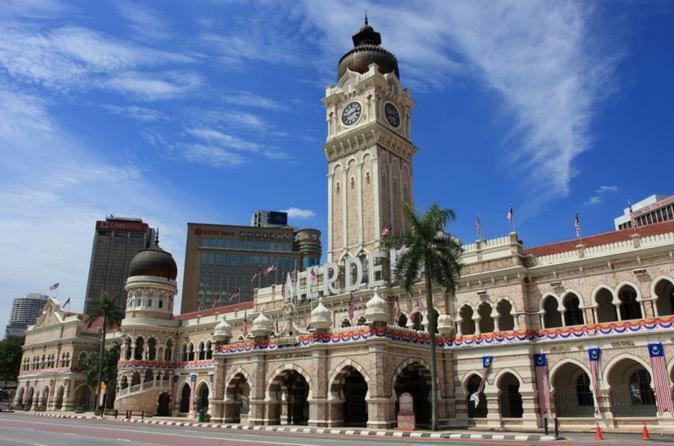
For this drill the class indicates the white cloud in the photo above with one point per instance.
(538, 57)
(212, 155)
(246, 99)
(594, 199)
(143, 21)
(299, 213)
(599, 194)
(225, 139)
(136, 112)
(604, 189)
(151, 87)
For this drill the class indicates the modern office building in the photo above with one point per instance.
(269, 219)
(222, 261)
(653, 209)
(116, 241)
(25, 311)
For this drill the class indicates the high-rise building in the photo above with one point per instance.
(269, 219)
(25, 311)
(225, 263)
(652, 209)
(116, 241)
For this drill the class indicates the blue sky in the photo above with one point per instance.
(208, 110)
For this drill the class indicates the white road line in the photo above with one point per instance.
(123, 439)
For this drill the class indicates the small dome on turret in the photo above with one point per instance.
(154, 262)
(321, 318)
(446, 325)
(376, 309)
(222, 331)
(366, 51)
(262, 325)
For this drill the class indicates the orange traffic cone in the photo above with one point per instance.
(597, 433)
(644, 433)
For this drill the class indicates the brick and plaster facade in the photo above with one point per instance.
(336, 353)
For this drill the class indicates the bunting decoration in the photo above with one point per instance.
(541, 366)
(663, 396)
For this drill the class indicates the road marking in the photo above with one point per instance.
(123, 439)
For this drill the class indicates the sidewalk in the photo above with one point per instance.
(182, 422)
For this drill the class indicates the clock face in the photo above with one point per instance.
(392, 115)
(351, 113)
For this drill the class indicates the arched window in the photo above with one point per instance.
(151, 349)
(209, 350)
(573, 314)
(640, 388)
(664, 291)
(630, 308)
(606, 311)
(168, 352)
(506, 320)
(402, 320)
(486, 320)
(183, 353)
(472, 386)
(202, 352)
(140, 347)
(190, 352)
(345, 323)
(511, 399)
(467, 322)
(361, 321)
(551, 316)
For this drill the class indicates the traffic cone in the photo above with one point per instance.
(644, 433)
(597, 433)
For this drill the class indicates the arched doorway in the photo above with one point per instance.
(238, 394)
(291, 390)
(202, 392)
(19, 396)
(573, 393)
(631, 392)
(664, 290)
(350, 387)
(164, 405)
(472, 385)
(415, 379)
(44, 402)
(510, 397)
(82, 398)
(29, 397)
(58, 402)
(185, 394)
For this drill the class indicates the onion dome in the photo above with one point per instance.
(222, 331)
(154, 262)
(365, 51)
(262, 325)
(321, 318)
(376, 309)
(446, 325)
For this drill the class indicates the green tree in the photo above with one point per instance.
(428, 249)
(106, 307)
(10, 357)
(108, 369)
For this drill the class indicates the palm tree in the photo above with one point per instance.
(107, 307)
(432, 251)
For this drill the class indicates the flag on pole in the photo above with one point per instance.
(54, 286)
(257, 273)
(594, 354)
(235, 294)
(486, 363)
(541, 366)
(270, 268)
(416, 308)
(245, 323)
(66, 303)
(576, 224)
(386, 231)
(663, 396)
(312, 275)
(396, 308)
(510, 215)
(352, 307)
(478, 226)
(633, 219)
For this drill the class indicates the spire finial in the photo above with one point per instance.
(156, 237)
(366, 17)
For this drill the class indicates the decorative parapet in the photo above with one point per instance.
(44, 372)
(652, 241)
(141, 364)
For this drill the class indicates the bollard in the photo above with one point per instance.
(556, 428)
(545, 425)
(116, 413)
(142, 414)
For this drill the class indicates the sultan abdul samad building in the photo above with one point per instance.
(591, 322)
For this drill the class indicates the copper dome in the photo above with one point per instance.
(154, 262)
(366, 50)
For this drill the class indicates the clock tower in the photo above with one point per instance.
(369, 148)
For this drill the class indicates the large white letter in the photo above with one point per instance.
(330, 274)
(355, 261)
(373, 269)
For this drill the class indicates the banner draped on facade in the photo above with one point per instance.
(594, 354)
(663, 396)
(541, 366)
(486, 364)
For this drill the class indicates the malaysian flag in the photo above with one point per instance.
(270, 268)
(594, 354)
(541, 366)
(235, 294)
(633, 219)
(415, 309)
(312, 275)
(663, 396)
(66, 303)
(54, 286)
(511, 214)
(352, 307)
(245, 323)
(259, 271)
(486, 363)
(478, 226)
(576, 224)
(396, 308)
(386, 231)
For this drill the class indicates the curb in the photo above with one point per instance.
(319, 430)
